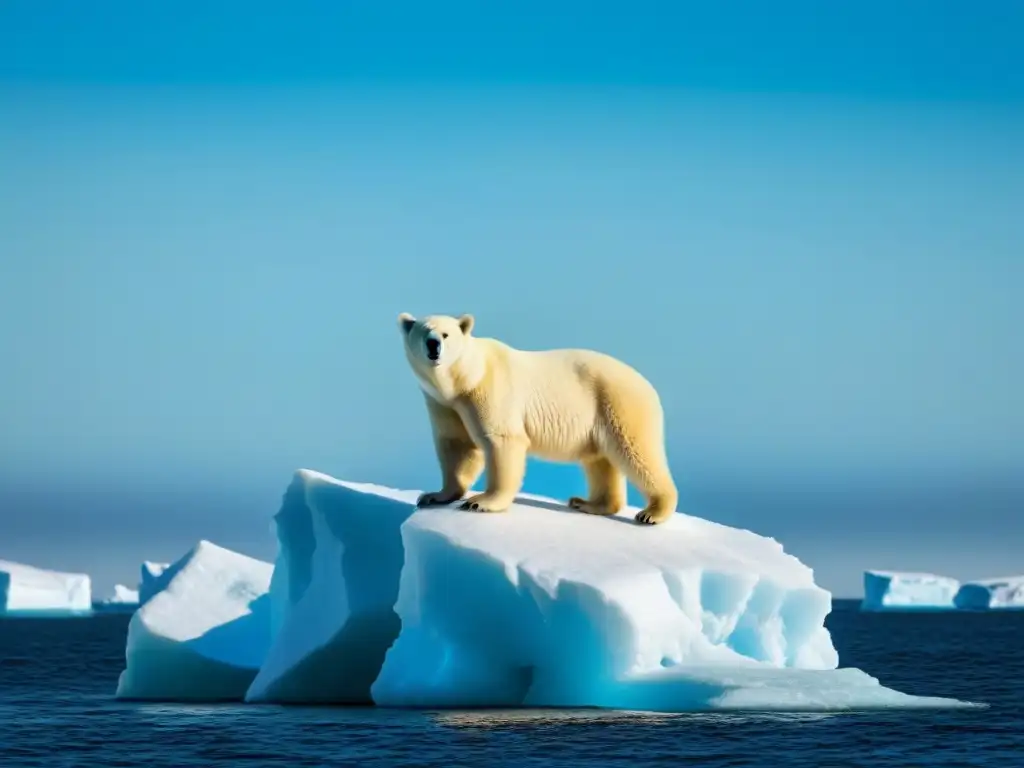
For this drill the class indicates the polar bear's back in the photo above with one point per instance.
(589, 368)
(568, 395)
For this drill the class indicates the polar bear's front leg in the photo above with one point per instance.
(461, 464)
(460, 459)
(506, 468)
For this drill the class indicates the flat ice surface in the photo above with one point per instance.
(152, 579)
(25, 589)
(541, 606)
(891, 589)
(992, 594)
(334, 587)
(205, 634)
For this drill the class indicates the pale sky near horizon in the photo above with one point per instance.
(804, 225)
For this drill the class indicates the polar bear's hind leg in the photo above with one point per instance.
(606, 488)
(636, 444)
(654, 481)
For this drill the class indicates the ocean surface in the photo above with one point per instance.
(57, 680)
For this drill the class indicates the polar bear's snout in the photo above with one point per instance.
(433, 348)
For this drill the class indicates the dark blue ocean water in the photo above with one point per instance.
(57, 678)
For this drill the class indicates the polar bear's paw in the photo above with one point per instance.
(601, 509)
(651, 516)
(485, 502)
(437, 499)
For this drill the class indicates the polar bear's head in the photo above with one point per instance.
(436, 341)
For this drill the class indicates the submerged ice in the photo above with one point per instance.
(374, 600)
(759, 689)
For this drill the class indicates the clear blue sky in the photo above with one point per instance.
(803, 221)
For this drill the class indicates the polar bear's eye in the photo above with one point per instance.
(444, 335)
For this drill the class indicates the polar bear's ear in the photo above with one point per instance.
(406, 322)
(466, 324)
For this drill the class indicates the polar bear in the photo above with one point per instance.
(492, 405)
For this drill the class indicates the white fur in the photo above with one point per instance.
(491, 404)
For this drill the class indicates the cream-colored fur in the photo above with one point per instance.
(491, 405)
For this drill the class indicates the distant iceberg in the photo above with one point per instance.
(123, 595)
(992, 594)
(889, 589)
(896, 591)
(121, 600)
(204, 635)
(28, 590)
(374, 601)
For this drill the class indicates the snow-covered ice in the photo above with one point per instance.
(542, 606)
(25, 589)
(992, 594)
(891, 589)
(333, 591)
(203, 636)
(152, 579)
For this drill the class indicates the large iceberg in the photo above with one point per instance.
(25, 589)
(992, 594)
(373, 599)
(204, 635)
(884, 590)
